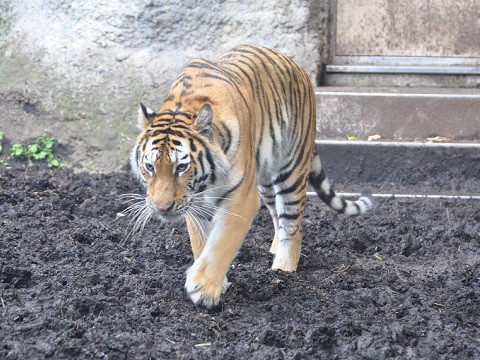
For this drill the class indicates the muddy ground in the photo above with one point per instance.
(401, 282)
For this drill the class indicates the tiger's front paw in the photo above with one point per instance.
(204, 288)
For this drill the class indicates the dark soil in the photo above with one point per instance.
(401, 282)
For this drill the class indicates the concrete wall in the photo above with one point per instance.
(79, 68)
(447, 28)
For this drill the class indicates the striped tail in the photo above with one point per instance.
(322, 187)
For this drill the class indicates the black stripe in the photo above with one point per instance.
(288, 216)
(261, 94)
(293, 187)
(316, 180)
(216, 77)
(193, 148)
(294, 202)
(244, 73)
(233, 188)
(200, 161)
(211, 66)
(233, 84)
(203, 99)
(298, 157)
(228, 135)
(168, 131)
(272, 90)
(212, 165)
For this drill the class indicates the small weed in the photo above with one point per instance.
(41, 149)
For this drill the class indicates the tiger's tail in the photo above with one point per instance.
(320, 183)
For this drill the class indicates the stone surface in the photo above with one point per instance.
(447, 28)
(83, 66)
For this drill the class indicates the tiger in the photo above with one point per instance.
(231, 133)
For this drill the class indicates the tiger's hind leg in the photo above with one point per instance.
(267, 194)
(289, 202)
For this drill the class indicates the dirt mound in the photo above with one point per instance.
(402, 281)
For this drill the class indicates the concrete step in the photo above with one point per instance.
(398, 113)
(405, 80)
(408, 170)
(398, 76)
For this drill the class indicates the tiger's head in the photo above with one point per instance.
(176, 159)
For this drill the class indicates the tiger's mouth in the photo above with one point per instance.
(171, 216)
(174, 216)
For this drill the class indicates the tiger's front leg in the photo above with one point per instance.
(205, 278)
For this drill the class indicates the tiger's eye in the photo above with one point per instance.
(149, 167)
(181, 167)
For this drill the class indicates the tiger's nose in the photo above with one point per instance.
(165, 208)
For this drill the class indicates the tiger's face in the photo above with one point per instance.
(174, 161)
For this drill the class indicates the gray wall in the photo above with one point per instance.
(79, 68)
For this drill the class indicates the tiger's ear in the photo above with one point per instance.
(145, 116)
(203, 121)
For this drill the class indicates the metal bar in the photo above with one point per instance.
(399, 144)
(378, 69)
(398, 95)
(409, 196)
(405, 61)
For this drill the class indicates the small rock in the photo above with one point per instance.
(438, 139)
(122, 55)
(375, 137)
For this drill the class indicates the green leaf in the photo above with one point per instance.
(33, 149)
(41, 149)
(17, 149)
(41, 155)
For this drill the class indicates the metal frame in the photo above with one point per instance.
(407, 196)
(417, 94)
(402, 69)
(399, 144)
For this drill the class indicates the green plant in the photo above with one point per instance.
(1, 137)
(41, 149)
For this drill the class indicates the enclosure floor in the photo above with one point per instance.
(401, 282)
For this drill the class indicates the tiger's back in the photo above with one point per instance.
(231, 132)
(258, 93)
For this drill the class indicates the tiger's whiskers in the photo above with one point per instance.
(140, 212)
